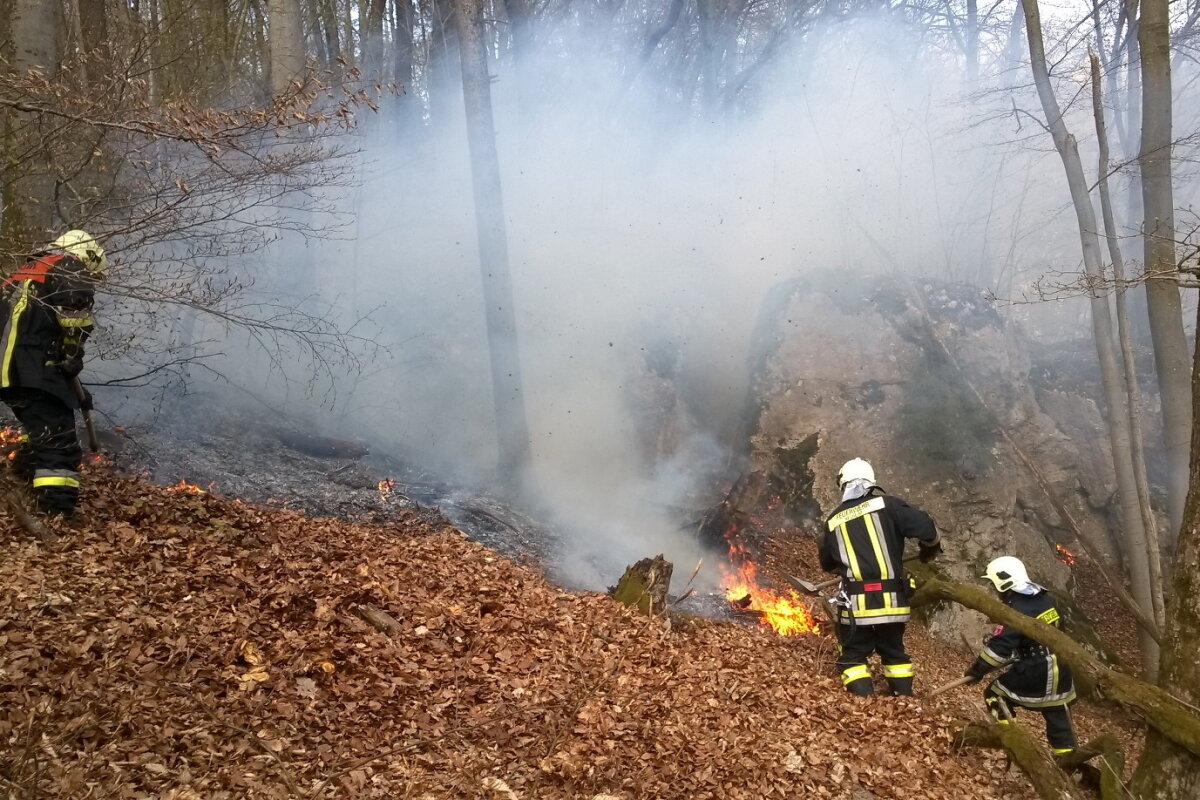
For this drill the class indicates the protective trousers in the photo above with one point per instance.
(859, 642)
(50, 455)
(1059, 731)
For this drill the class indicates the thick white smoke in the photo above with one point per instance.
(641, 249)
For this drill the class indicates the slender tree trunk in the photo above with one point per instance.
(1136, 552)
(1133, 391)
(1162, 288)
(512, 428)
(439, 70)
(1166, 770)
(29, 182)
(971, 43)
(286, 42)
(371, 31)
(402, 73)
(329, 25)
(315, 39)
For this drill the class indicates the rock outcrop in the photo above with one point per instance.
(856, 367)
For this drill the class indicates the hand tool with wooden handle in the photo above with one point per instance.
(77, 390)
(954, 684)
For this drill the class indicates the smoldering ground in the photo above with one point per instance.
(642, 240)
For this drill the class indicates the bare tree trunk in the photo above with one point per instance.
(315, 40)
(511, 426)
(286, 43)
(405, 52)
(971, 43)
(1166, 770)
(1136, 553)
(29, 180)
(329, 24)
(371, 31)
(93, 19)
(439, 71)
(1158, 233)
(1133, 392)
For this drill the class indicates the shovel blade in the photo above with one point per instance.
(808, 586)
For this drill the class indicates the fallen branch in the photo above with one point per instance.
(12, 501)
(1170, 716)
(377, 618)
(1050, 775)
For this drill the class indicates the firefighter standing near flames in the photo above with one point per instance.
(46, 308)
(864, 543)
(1034, 678)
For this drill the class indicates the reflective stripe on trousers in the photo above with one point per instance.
(55, 477)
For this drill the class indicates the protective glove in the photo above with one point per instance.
(977, 670)
(930, 552)
(71, 366)
(85, 403)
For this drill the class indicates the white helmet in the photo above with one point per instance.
(1005, 572)
(855, 469)
(83, 246)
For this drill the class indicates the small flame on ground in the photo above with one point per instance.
(184, 486)
(11, 437)
(785, 612)
(96, 458)
(385, 489)
(1064, 555)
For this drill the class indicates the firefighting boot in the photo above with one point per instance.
(857, 680)
(56, 499)
(899, 678)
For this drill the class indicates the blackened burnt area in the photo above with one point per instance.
(288, 465)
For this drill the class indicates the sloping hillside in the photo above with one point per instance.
(180, 645)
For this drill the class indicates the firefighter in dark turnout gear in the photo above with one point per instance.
(46, 308)
(1035, 678)
(864, 543)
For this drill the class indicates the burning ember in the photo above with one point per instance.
(785, 612)
(10, 437)
(385, 489)
(184, 486)
(1064, 555)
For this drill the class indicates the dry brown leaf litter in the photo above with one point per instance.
(185, 646)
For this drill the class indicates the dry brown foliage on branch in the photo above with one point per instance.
(182, 645)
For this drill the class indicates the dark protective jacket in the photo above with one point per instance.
(46, 308)
(1035, 677)
(864, 543)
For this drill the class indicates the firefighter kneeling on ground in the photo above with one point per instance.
(864, 543)
(1035, 678)
(46, 307)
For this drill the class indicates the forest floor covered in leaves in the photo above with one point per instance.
(181, 645)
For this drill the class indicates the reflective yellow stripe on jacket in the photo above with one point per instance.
(9, 339)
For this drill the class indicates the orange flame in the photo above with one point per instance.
(1064, 555)
(785, 612)
(11, 437)
(184, 486)
(385, 489)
